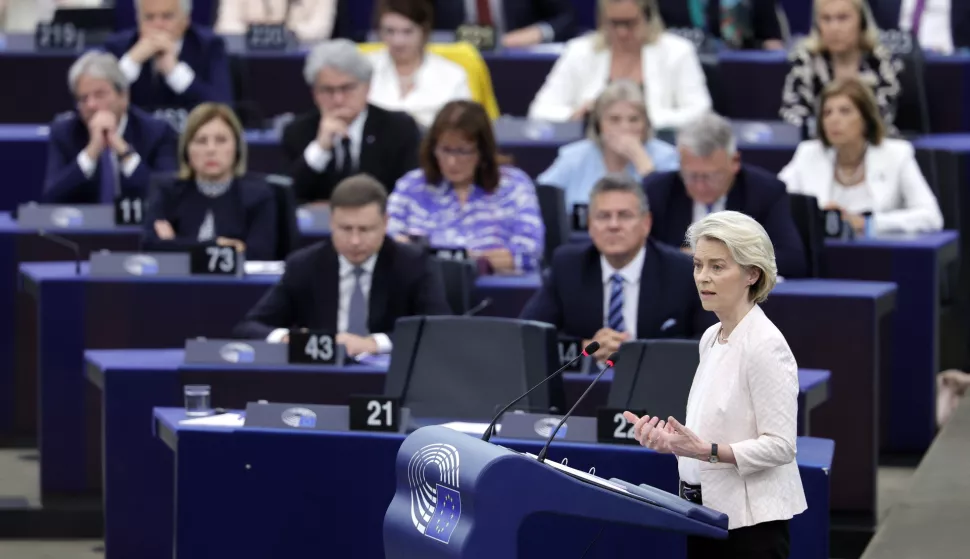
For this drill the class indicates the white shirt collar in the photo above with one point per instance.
(356, 129)
(701, 211)
(346, 268)
(630, 273)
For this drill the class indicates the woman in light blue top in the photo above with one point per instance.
(620, 140)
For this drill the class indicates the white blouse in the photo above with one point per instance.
(689, 468)
(436, 82)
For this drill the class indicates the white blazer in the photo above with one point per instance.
(753, 408)
(437, 82)
(902, 200)
(311, 20)
(18, 16)
(674, 84)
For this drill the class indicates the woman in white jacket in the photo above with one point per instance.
(852, 167)
(631, 44)
(736, 448)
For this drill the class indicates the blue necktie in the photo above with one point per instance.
(614, 319)
(710, 209)
(357, 310)
(106, 170)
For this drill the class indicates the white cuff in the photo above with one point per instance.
(129, 68)
(316, 157)
(276, 336)
(130, 165)
(548, 33)
(180, 78)
(86, 164)
(384, 344)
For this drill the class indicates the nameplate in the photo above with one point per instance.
(315, 219)
(375, 413)
(457, 254)
(580, 217)
(539, 426)
(214, 260)
(482, 36)
(51, 36)
(106, 264)
(570, 348)
(835, 228)
(315, 347)
(612, 427)
(310, 417)
(263, 36)
(85, 216)
(204, 351)
(129, 210)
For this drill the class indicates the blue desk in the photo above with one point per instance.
(132, 382)
(917, 264)
(295, 498)
(829, 324)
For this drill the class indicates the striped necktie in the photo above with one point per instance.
(614, 319)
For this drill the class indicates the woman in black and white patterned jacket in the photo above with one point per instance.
(844, 42)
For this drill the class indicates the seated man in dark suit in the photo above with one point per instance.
(752, 25)
(623, 286)
(170, 62)
(346, 135)
(106, 147)
(712, 178)
(521, 23)
(357, 284)
(939, 26)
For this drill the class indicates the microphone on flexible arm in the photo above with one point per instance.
(590, 349)
(66, 243)
(484, 304)
(610, 362)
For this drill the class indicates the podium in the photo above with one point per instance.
(458, 496)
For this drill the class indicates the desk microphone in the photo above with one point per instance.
(484, 304)
(592, 348)
(66, 243)
(610, 362)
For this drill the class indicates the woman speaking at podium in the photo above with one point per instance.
(736, 447)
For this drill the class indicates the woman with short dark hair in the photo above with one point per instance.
(463, 197)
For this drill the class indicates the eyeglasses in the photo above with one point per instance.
(623, 217)
(702, 178)
(457, 153)
(332, 91)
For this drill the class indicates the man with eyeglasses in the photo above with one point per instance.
(622, 286)
(711, 179)
(345, 135)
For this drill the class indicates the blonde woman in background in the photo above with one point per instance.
(310, 20)
(631, 44)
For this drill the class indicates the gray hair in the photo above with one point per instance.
(620, 182)
(617, 92)
(748, 243)
(186, 6)
(338, 54)
(709, 133)
(99, 65)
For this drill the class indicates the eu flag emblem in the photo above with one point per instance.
(447, 512)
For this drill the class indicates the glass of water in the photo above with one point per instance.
(197, 399)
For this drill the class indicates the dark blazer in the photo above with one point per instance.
(559, 14)
(887, 14)
(405, 283)
(571, 297)
(202, 50)
(389, 149)
(756, 193)
(246, 212)
(153, 139)
(764, 19)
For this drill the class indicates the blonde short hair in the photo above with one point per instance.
(869, 30)
(199, 117)
(654, 23)
(619, 91)
(748, 243)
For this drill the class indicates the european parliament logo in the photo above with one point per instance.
(67, 217)
(435, 499)
(546, 425)
(237, 352)
(141, 265)
(299, 417)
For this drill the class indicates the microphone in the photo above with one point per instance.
(484, 304)
(610, 362)
(66, 243)
(592, 348)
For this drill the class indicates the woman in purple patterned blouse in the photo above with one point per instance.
(462, 196)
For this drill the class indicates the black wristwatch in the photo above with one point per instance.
(713, 459)
(128, 153)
